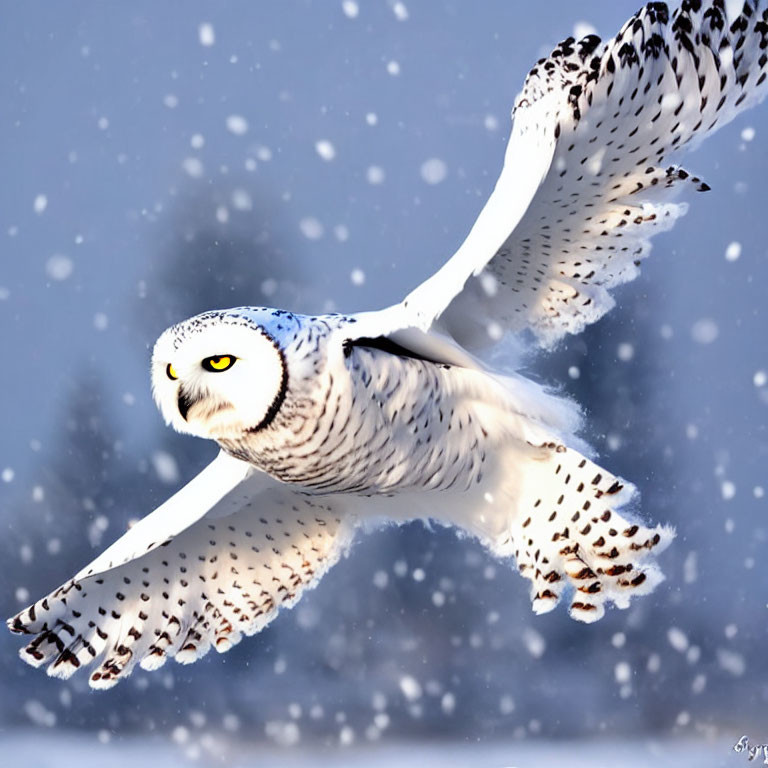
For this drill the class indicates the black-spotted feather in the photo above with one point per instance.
(619, 113)
(213, 583)
(575, 529)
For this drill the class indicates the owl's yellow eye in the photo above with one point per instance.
(171, 372)
(219, 363)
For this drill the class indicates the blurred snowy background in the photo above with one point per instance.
(160, 159)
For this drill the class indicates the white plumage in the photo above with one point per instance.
(327, 422)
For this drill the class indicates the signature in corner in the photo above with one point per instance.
(752, 750)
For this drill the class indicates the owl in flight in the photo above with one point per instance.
(327, 422)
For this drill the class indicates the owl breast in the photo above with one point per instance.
(373, 423)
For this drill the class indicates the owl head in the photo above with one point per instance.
(220, 374)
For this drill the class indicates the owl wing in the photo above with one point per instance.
(212, 564)
(587, 179)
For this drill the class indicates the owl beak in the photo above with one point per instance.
(185, 402)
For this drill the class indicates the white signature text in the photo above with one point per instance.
(752, 750)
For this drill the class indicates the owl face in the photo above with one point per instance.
(218, 375)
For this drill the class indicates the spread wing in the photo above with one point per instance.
(214, 563)
(589, 174)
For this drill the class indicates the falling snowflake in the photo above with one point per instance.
(206, 34)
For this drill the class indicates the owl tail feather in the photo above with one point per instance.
(573, 530)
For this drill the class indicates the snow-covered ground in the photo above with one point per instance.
(57, 750)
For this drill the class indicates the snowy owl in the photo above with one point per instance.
(331, 422)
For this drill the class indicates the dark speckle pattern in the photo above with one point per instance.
(360, 419)
(569, 533)
(619, 114)
(212, 584)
